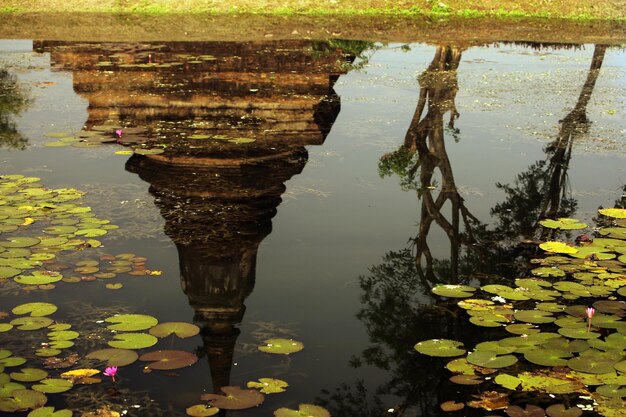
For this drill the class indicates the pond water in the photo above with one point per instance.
(308, 190)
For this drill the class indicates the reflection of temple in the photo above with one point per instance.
(217, 197)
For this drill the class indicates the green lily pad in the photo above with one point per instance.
(39, 278)
(557, 247)
(5, 327)
(114, 357)
(268, 385)
(154, 151)
(31, 323)
(281, 346)
(169, 359)
(242, 140)
(521, 328)
(534, 316)
(133, 341)
(460, 366)
(464, 379)
(563, 224)
(180, 329)
(440, 347)
(490, 359)
(304, 410)
(578, 333)
(60, 230)
(617, 213)
(131, 322)
(198, 137)
(593, 362)
(614, 232)
(508, 381)
(6, 389)
(546, 271)
(9, 272)
(91, 232)
(53, 385)
(201, 410)
(20, 242)
(612, 391)
(549, 384)
(235, 398)
(49, 412)
(35, 309)
(453, 291)
(63, 335)
(530, 411)
(29, 375)
(547, 357)
(21, 400)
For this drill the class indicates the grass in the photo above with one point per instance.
(568, 9)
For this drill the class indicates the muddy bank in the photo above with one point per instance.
(110, 27)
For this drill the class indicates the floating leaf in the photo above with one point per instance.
(612, 391)
(31, 323)
(534, 316)
(180, 329)
(114, 286)
(9, 272)
(131, 322)
(281, 346)
(304, 410)
(169, 359)
(269, 385)
(39, 278)
(114, 357)
(617, 213)
(453, 291)
(549, 384)
(559, 410)
(235, 398)
(202, 410)
(81, 376)
(22, 399)
(35, 309)
(20, 242)
(508, 381)
(133, 341)
(547, 357)
(464, 379)
(53, 385)
(49, 412)
(530, 411)
(198, 137)
(29, 375)
(63, 335)
(594, 361)
(440, 347)
(490, 359)
(242, 140)
(557, 247)
(563, 223)
(450, 406)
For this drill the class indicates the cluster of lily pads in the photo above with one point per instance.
(25, 385)
(139, 140)
(565, 325)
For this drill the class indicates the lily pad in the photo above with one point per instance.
(53, 385)
(490, 359)
(131, 322)
(304, 410)
(559, 410)
(508, 381)
(547, 357)
(49, 412)
(39, 278)
(22, 399)
(268, 385)
(82, 376)
(593, 362)
(29, 375)
(612, 391)
(281, 346)
(133, 341)
(180, 329)
(201, 410)
(464, 379)
(529, 411)
(35, 309)
(557, 247)
(20, 242)
(9, 272)
(563, 223)
(440, 347)
(31, 323)
(617, 213)
(534, 316)
(235, 398)
(453, 291)
(169, 359)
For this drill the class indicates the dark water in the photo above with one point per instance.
(300, 233)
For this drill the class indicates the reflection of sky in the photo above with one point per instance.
(338, 217)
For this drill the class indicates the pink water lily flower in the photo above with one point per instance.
(590, 311)
(111, 371)
(119, 133)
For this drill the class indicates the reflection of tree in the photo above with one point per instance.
(12, 102)
(425, 138)
(397, 309)
(542, 191)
